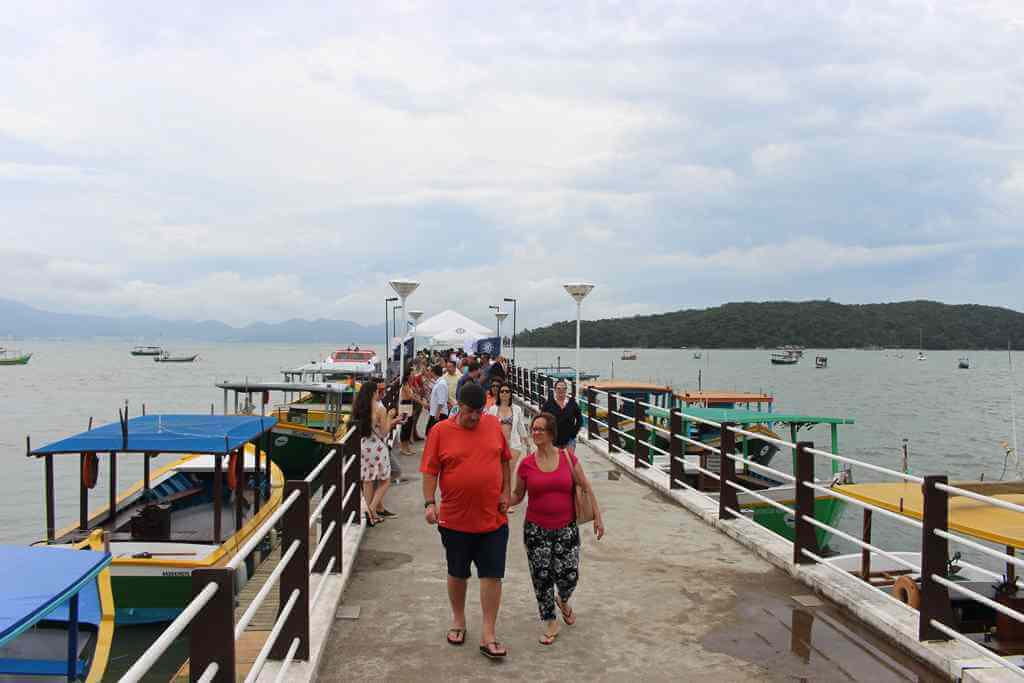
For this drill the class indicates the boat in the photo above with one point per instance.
(169, 358)
(340, 365)
(54, 602)
(718, 407)
(920, 345)
(820, 361)
(147, 351)
(311, 418)
(964, 363)
(173, 520)
(566, 372)
(628, 355)
(696, 355)
(14, 357)
(787, 358)
(792, 350)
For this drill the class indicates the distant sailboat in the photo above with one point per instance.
(920, 345)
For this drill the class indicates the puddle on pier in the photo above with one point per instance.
(792, 641)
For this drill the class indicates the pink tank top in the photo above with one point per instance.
(550, 503)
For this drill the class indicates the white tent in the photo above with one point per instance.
(451, 328)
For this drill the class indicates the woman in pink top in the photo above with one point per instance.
(550, 533)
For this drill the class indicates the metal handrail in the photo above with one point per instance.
(175, 629)
(322, 544)
(287, 661)
(822, 562)
(603, 424)
(258, 535)
(623, 434)
(320, 466)
(712, 423)
(657, 428)
(861, 544)
(699, 444)
(351, 517)
(707, 473)
(980, 548)
(842, 496)
(977, 647)
(860, 463)
(210, 673)
(351, 490)
(974, 595)
(624, 416)
(774, 503)
(778, 442)
(750, 463)
(265, 589)
(693, 488)
(323, 582)
(323, 502)
(995, 502)
(344, 469)
(261, 658)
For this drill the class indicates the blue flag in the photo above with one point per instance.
(489, 345)
(409, 350)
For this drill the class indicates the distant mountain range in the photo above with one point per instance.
(20, 320)
(813, 324)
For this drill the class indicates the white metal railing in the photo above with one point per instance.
(322, 464)
(322, 545)
(782, 443)
(835, 494)
(286, 662)
(980, 548)
(694, 418)
(261, 658)
(323, 503)
(988, 500)
(867, 465)
(260, 533)
(698, 444)
(265, 589)
(758, 466)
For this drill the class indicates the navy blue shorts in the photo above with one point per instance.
(486, 551)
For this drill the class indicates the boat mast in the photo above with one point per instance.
(1013, 410)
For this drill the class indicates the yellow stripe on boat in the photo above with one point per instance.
(105, 636)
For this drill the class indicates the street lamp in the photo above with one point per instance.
(415, 315)
(514, 303)
(403, 288)
(387, 338)
(500, 315)
(578, 291)
(394, 320)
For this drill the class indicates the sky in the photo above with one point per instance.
(263, 161)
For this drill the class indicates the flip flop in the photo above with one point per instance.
(566, 616)
(487, 651)
(460, 634)
(548, 638)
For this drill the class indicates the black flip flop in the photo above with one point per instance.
(459, 631)
(486, 651)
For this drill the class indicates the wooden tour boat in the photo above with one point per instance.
(171, 522)
(147, 351)
(166, 357)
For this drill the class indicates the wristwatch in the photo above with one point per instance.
(428, 504)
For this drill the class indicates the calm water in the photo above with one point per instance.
(956, 421)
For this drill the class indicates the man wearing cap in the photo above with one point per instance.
(470, 458)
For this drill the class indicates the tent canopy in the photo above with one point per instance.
(449, 327)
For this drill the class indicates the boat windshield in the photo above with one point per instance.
(358, 356)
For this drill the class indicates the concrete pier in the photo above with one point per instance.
(662, 597)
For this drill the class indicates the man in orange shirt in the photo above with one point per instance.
(470, 457)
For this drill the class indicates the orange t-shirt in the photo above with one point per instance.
(468, 463)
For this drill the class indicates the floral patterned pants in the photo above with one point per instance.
(554, 557)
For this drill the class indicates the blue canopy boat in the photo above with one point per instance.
(56, 614)
(172, 521)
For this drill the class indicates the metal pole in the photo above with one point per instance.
(401, 350)
(387, 343)
(578, 305)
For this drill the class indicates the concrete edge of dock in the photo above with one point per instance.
(894, 621)
(321, 617)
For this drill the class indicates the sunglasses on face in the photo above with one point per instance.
(539, 429)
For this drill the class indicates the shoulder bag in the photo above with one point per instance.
(583, 502)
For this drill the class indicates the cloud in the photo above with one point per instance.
(261, 163)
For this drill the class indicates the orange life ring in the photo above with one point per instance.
(90, 469)
(907, 591)
(233, 470)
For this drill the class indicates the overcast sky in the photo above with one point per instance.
(249, 161)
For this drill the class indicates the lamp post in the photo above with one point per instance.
(403, 288)
(394, 320)
(500, 315)
(387, 338)
(514, 303)
(578, 291)
(415, 315)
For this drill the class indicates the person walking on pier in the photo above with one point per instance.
(374, 423)
(513, 425)
(438, 406)
(567, 413)
(470, 458)
(550, 534)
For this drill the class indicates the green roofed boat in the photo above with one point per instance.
(12, 357)
(700, 408)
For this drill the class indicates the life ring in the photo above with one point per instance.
(233, 470)
(907, 591)
(90, 469)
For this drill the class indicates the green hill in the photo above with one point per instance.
(815, 324)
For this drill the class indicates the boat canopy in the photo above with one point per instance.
(166, 434)
(255, 387)
(966, 515)
(37, 582)
(746, 417)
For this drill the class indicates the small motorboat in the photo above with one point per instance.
(964, 363)
(13, 357)
(696, 355)
(787, 358)
(921, 356)
(169, 358)
(628, 355)
(821, 362)
(147, 351)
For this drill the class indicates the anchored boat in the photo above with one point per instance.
(964, 363)
(340, 366)
(56, 613)
(628, 355)
(172, 522)
(147, 351)
(13, 357)
(311, 418)
(787, 358)
(169, 358)
(820, 362)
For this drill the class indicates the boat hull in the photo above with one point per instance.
(295, 453)
(827, 510)
(18, 360)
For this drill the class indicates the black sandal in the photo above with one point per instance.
(486, 650)
(461, 632)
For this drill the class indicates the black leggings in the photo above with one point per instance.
(554, 557)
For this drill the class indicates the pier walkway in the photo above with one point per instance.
(663, 596)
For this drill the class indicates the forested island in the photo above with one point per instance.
(813, 324)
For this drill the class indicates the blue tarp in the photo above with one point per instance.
(167, 434)
(35, 582)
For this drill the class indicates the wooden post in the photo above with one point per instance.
(591, 412)
(613, 422)
(676, 458)
(865, 554)
(145, 470)
(218, 483)
(805, 534)
(112, 498)
(212, 634)
(1011, 568)
(83, 495)
(726, 473)
(295, 527)
(934, 557)
(50, 505)
(332, 511)
(639, 433)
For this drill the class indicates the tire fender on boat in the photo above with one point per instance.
(90, 469)
(907, 591)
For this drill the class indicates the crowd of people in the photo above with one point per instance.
(487, 458)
